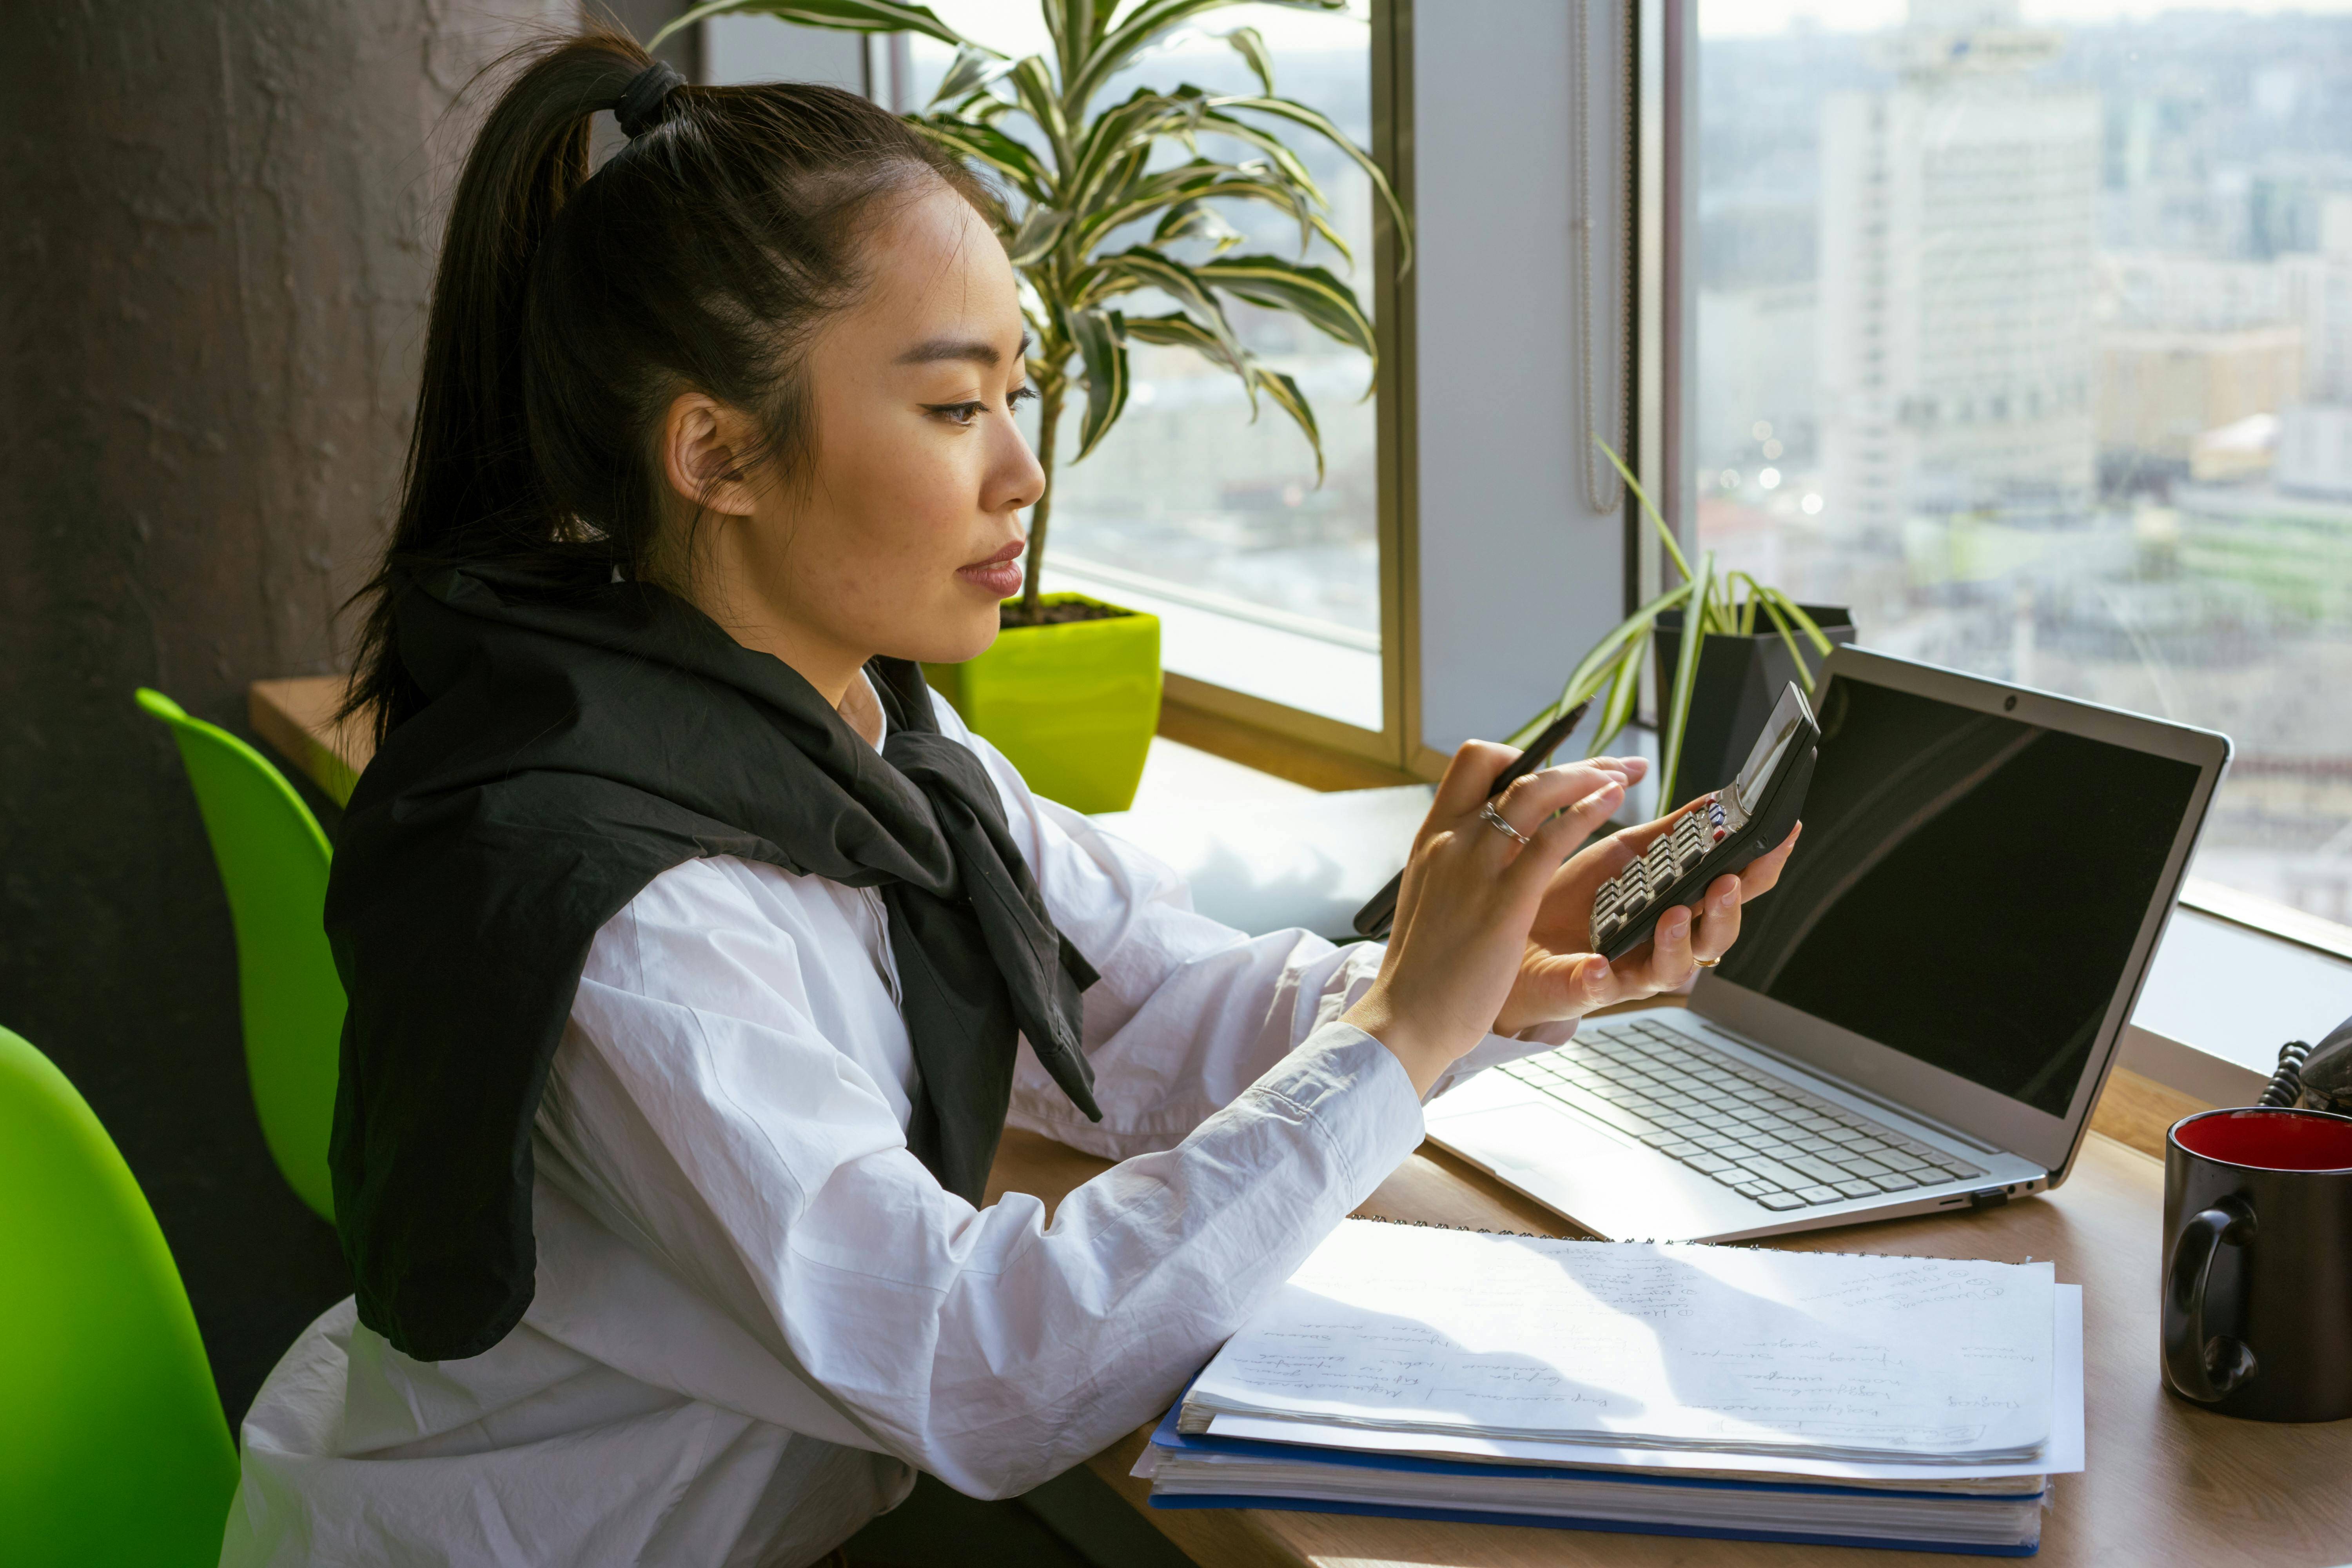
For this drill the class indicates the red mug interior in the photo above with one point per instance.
(2271, 1140)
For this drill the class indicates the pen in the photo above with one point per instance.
(1379, 913)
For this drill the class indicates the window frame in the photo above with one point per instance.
(1280, 736)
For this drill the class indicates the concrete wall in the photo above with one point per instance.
(1518, 575)
(220, 227)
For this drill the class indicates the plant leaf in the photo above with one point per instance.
(1194, 220)
(1286, 396)
(1723, 608)
(1309, 292)
(1141, 266)
(1179, 330)
(1041, 225)
(987, 144)
(1805, 623)
(974, 69)
(1677, 715)
(1322, 125)
(1252, 47)
(1649, 509)
(1032, 85)
(1624, 692)
(1780, 624)
(1099, 335)
(1585, 679)
(1199, 180)
(1284, 159)
(1146, 23)
(1120, 143)
(848, 16)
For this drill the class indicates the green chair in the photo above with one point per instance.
(113, 1449)
(273, 864)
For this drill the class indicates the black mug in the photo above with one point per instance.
(2258, 1263)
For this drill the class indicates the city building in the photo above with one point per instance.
(2316, 291)
(2315, 452)
(2161, 389)
(1958, 226)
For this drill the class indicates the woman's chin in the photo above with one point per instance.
(960, 632)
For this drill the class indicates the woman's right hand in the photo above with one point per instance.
(1469, 895)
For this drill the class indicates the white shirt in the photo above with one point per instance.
(755, 1310)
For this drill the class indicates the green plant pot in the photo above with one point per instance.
(1074, 706)
(1739, 679)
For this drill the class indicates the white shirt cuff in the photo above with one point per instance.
(1497, 1050)
(1355, 1092)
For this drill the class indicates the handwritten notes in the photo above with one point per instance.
(1666, 1345)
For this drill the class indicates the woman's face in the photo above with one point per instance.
(904, 533)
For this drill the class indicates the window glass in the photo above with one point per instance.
(1265, 582)
(2025, 330)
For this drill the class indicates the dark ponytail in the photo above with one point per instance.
(569, 310)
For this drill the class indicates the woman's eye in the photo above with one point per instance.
(1018, 396)
(956, 412)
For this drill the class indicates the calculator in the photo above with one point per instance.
(1721, 832)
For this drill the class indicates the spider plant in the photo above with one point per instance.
(1712, 602)
(1081, 180)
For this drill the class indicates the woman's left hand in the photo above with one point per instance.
(1562, 976)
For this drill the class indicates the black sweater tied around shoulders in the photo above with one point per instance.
(572, 747)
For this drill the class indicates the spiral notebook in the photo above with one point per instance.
(1423, 1331)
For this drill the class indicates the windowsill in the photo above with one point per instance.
(2268, 916)
(2224, 994)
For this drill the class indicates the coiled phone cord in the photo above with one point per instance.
(2287, 1083)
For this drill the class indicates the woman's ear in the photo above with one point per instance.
(700, 438)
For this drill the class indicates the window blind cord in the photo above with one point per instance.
(1604, 491)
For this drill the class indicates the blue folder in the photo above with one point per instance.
(1167, 1437)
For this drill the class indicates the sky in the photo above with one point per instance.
(1747, 18)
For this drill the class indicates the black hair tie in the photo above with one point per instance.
(640, 109)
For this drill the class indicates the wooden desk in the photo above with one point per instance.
(2168, 1483)
(297, 716)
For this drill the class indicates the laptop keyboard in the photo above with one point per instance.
(1759, 1135)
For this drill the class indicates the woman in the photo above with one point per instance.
(696, 958)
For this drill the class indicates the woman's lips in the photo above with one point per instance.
(999, 574)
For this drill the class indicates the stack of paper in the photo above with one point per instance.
(1682, 1389)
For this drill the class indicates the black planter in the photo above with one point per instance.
(1739, 679)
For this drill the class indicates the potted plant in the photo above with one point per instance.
(1070, 691)
(1716, 688)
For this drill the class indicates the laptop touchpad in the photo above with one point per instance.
(1534, 1137)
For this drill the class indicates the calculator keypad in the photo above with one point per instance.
(1632, 893)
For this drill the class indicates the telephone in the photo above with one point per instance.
(1717, 833)
(2316, 1077)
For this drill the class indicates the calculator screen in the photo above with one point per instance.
(1968, 887)
(1787, 715)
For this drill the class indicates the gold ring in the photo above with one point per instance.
(1705, 962)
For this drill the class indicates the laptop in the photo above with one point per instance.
(1919, 1017)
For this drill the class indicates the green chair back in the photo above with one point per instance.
(113, 1449)
(273, 864)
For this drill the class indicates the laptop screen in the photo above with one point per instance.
(1968, 887)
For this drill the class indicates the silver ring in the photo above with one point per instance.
(1493, 819)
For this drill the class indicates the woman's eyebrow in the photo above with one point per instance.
(973, 350)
